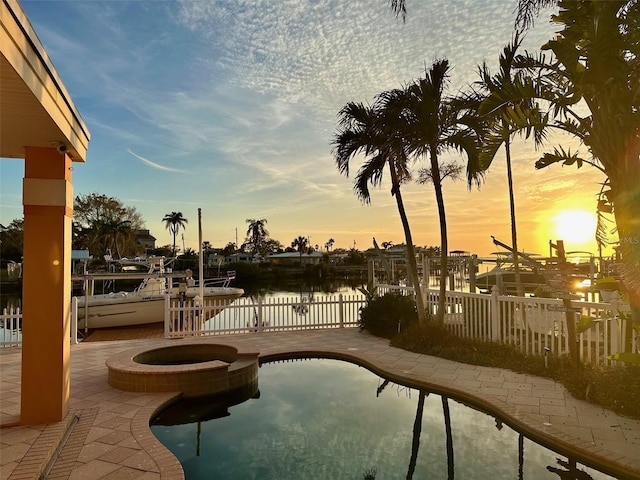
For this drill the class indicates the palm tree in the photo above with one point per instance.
(329, 244)
(374, 132)
(174, 221)
(300, 244)
(434, 123)
(506, 118)
(596, 63)
(257, 233)
(113, 230)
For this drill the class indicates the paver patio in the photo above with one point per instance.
(109, 435)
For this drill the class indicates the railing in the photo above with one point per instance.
(531, 324)
(11, 323)
(247, 314)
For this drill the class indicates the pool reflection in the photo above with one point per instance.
(325, 419)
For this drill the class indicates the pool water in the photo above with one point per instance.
(327, 419)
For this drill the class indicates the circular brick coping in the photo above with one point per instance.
(192, 368)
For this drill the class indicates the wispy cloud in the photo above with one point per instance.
(148, 162)
(245, 93)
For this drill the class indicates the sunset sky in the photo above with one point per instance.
(230, 106)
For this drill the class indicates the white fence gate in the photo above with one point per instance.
(248, 314)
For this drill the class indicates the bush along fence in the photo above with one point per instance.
(537, 325)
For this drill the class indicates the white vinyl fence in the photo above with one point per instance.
(248, 314)
(533, 325)
(11, 324)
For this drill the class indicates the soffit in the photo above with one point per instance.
(35, 107)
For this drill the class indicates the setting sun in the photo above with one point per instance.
(576, 227)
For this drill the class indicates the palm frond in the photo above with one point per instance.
(399, 8)
(559, 155)
(527, 10)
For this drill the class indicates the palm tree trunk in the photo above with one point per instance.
(447, 428)
(417, 429)
(175, 232)
(411, 254)
(444, 247)
(514, 236)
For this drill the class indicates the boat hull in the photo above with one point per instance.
(531, 281)
(123, 310)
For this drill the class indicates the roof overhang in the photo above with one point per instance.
(35, 108)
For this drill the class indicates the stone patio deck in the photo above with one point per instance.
(106, 434)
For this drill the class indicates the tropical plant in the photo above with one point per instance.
(256, 234)
(370, 291)
(506, 117)
(174, 221)
(432, 124)
(375, 132)
(387, 315)
(592, 81)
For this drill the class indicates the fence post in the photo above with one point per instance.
(74, 320)
(340, 310)
(167, 316)
(260, 313)
(616, 345)
(495, 314)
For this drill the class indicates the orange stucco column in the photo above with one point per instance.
(46, 287)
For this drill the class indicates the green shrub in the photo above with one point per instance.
(385, 316)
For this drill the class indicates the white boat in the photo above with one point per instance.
(146, 304)
(503, 275)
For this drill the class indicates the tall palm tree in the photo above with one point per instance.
(375, 132)
(174, 221)
(257, 233)
(432, 124)
(506, 118)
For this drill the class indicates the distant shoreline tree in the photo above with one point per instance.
(174, 221)
(256, 234)
(300, 244)
(102, 223)
(12, 241)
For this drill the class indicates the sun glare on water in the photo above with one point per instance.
(576, 227)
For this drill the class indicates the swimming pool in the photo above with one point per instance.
(328, 419)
